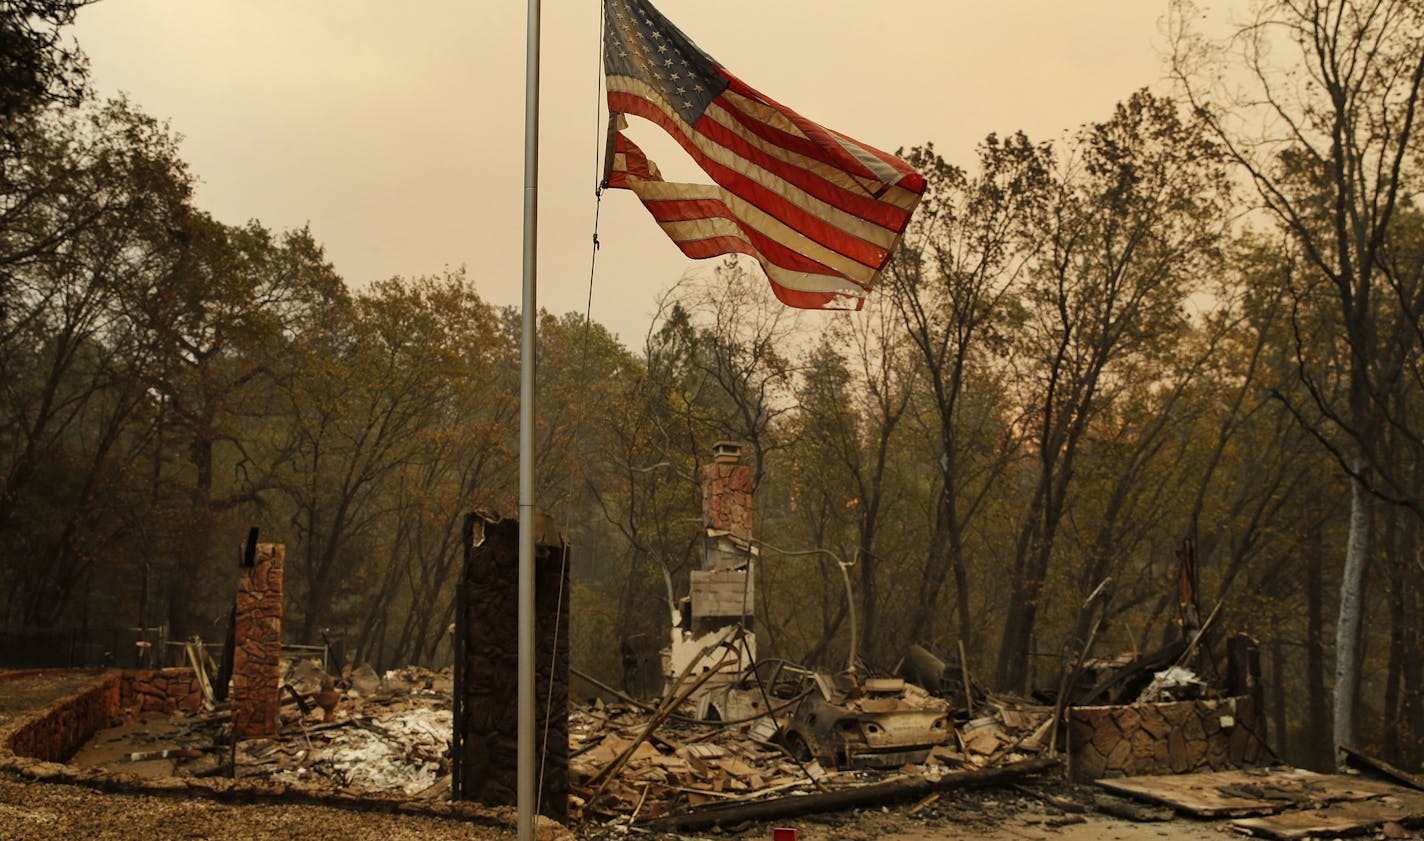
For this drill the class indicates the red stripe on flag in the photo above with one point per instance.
(786, 140)
(701, 249)
(751, 243)
(829, 236)
(829, 148)
(812, 300)
(909, 179)
(799, 220)
(866, 207)
(688, 210)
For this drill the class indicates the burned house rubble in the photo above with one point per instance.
(733, 737)
(1183, 748)
(385, 734)
(384, 742)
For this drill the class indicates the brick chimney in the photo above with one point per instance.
(722, 593)
(727, 492)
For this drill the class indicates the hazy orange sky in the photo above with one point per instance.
(396, 129)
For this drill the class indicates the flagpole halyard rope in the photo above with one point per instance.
(583, 369)
(592, 266)
(597, 180)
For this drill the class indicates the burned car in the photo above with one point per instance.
(836, 719)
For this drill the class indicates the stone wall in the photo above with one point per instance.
(257, 640)
(57, 733)
(727, 497)
(160, 691)
(487, 665)
(1169, 738)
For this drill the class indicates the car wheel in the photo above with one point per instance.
(798, 748)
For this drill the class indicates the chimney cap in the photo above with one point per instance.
(727, 452)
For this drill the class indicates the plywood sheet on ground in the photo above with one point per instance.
(1242, 793)
(1345, 818)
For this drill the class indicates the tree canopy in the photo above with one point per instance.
(1193, 318)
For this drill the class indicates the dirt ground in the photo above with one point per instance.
(50, 812)
(146, 732)
(990, 815)
(24, 691)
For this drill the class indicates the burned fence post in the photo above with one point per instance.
(1243, 667)
(487, 664)
(257, 642)
(245, 558)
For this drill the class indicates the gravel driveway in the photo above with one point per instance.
(42, 811)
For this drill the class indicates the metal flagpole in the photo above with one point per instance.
(525, 789)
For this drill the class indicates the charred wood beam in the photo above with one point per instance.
(871, 795)
(246, 558)
(1364, 761)
(1122, 686)
(924, 668)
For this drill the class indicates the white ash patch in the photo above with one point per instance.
(405, 751)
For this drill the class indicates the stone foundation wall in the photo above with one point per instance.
(160, 691)
(1170, 738)
(55, 735)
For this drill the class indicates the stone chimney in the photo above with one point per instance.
(257, 642)
(727, 492)
(721, 595)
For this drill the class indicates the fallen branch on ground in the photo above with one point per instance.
(871, 795)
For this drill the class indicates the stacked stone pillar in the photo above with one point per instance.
(727, 491)
(487, 664)
(257, 644)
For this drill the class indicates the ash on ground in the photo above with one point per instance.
(377, 733)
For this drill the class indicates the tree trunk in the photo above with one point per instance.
(1036, 548)
(376, 619)
(946, 552)
(1412, 709)
(961, 585)
(1022, 617)
(183, 619)
(1349, 642)
(871, 646)
(1398, 626)
(1315, 754)
(939, 557)
(1013, 644)
(1411, 560)
(1278, 694)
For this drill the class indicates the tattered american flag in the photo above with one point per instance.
(821, 212)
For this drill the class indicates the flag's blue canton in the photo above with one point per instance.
(643, 44)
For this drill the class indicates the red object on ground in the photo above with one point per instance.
(783, 834)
